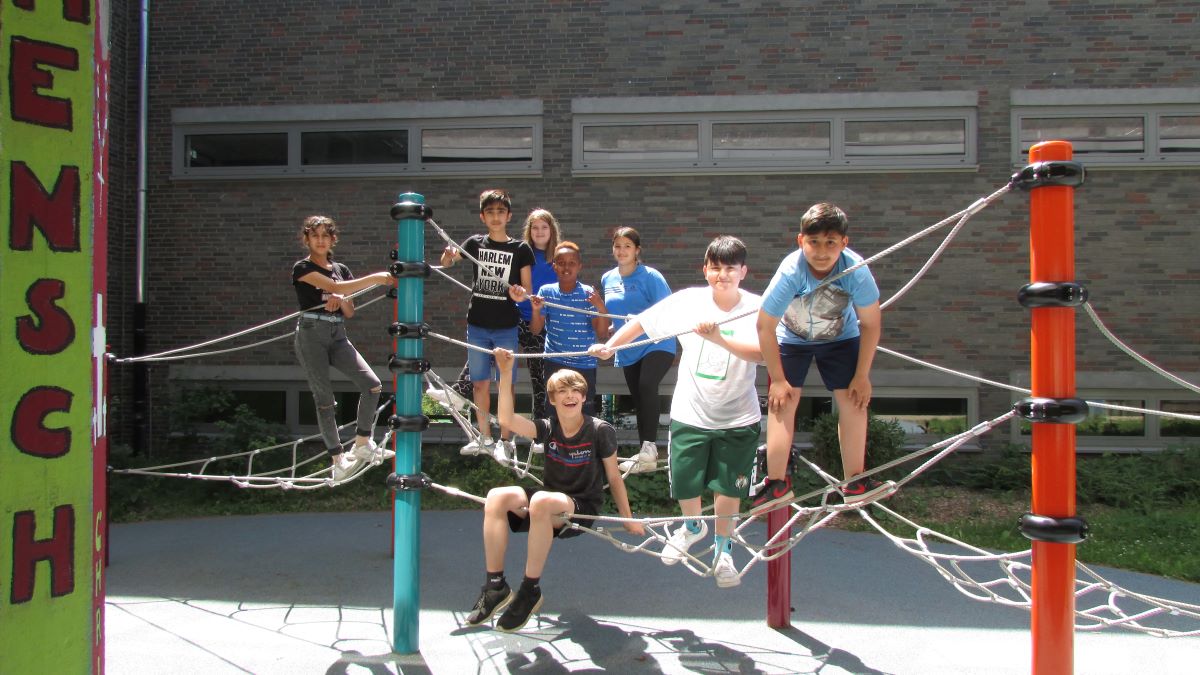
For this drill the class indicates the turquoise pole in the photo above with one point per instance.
(406, 588)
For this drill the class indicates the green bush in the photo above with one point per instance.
(885, 442)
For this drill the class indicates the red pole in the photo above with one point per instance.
(779, 573)
(1052, 363)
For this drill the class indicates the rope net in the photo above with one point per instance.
(960, 564)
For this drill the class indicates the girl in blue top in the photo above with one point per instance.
(542, 234)
(629, 289)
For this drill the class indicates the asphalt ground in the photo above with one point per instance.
(312, 593)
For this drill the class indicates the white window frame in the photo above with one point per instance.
(1151, 389)
(1148, 104)
(411, 117)
(834, 109)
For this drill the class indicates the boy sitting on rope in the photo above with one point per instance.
(714, 410)
(580, 453)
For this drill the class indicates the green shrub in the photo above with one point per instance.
(885, 442)
(1142, 481)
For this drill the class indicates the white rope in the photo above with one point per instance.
(1022, 390)
(1013, 588)
(269, 479)
(1087, 306)
(162, 356)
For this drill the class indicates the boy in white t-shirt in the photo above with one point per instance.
(714, 410)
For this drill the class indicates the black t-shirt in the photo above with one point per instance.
(574, 466)
(310, 296)
(490, 305)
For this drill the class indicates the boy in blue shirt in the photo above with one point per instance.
(568, 331)
(838, 326)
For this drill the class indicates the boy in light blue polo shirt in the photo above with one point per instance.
(567, 330)
(837, 324)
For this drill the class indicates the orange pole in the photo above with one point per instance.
(1052, 363)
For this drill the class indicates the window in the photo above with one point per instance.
(1171, 427)
(1111, 127)
(802, 133)
(485, 138)
(1122, 430)
(919, 416)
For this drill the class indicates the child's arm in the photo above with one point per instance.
(344, 303)
(318, 280)
(743, 349)
(537, 320)
(625, 335)
(601, 325)
(870, 327)
(616, 485)
(521, 293)
(518, 424)
(779, 393)
(450, 255)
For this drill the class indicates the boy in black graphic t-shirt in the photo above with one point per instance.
(581, 453)
(493, 314)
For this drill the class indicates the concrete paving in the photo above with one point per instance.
(312, 593)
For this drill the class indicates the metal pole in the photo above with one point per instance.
(779, 573)
(141, 371)
(406, 602)
(1052, 362)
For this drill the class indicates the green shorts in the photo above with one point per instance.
(720, 459)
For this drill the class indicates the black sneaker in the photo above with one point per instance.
(864, 489)
(524, 604)
(491, 600)
(772, 494)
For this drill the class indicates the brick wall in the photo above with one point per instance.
(220, 251)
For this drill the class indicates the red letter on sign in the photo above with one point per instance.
(55, 214)
(78, 11)
(49, 330)
(59, 550)
(27, 104)
(29, 432)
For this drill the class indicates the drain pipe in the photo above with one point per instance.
(141, 378)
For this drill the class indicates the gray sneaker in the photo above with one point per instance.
(478, 446)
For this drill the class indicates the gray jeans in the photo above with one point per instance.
(320, 344)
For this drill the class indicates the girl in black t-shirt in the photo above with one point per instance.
(321, 288)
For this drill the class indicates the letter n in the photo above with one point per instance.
(55, 213)
(58, 550)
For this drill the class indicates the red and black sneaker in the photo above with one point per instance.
(864, 489)
(772, 494)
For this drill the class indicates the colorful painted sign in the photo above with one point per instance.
(53, 132)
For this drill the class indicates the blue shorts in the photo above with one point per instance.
(483, 366)
(836, 361)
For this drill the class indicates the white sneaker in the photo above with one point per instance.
(344, 465)
(370, 452)
(724, 571)
(504, 451)
(448, 399)
(645, 460)
(680, 541)
(537, 448)
(479, 446)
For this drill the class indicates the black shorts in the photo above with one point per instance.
(518, 523)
